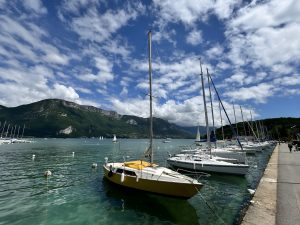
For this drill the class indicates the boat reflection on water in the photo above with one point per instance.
(165, 209)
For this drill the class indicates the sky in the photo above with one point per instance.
(94, 52)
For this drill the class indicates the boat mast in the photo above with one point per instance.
(3, 129)
(236, 125)
(12, 129)
(205, 111)
(15, 129)
(150, 95)
(233, 131)
(212, 109)
(7, 130)
(243, 121)
(257, 131)
(262, 130)
(221, 121)
(252, 123)
(18, 132)
(23, 131)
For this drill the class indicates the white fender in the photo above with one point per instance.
(122, 177)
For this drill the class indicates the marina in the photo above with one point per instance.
(149, 112)
(77, 192)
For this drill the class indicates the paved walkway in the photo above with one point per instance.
(262, 210)
(277, 198)
(288, 188)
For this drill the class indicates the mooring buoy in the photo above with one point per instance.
(47, 173)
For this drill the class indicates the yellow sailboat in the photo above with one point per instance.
(147, 176)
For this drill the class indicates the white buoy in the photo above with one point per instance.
(94, 165)
(251, 191)
(122, 177)
(33, 156)
(73, 154)
(47, 173)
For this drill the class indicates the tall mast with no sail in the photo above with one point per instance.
(150, 95)
(243, 121)
(221, 121)
(236, 125)
(212, 109)
(205, 110)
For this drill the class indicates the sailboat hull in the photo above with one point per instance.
(180, 190)
(236, 169)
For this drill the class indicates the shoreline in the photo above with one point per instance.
(262, 207)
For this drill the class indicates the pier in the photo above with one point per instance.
(277, 198)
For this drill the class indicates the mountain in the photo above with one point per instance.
(278, 128)
(60, 118)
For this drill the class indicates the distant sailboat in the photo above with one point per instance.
(198, 137)
(115, 139)
(167, 140)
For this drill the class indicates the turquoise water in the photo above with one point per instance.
(77, 194)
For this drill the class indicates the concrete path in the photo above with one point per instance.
(277, 198)
(262, 210)
(288, 188)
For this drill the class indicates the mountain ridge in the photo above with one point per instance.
(61, 118)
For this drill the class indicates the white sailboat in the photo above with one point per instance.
(147, 176)
(207, 162)
(114, 139)
(198, 137)
(239, 157)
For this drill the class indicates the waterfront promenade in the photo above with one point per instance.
(277, 198)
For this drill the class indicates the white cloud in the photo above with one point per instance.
(288, 80)
(63, 92)
(186, 113)
(265, 34)
(194, 37)
(259, 93)
(291, 92)
(215, 51)
(98, 27)
(124, 92)
(56, 58)
(223, 66)
(35, 6)
(14, 94)
(75, 6)
(104, 74)
(236, 78)
(24, 40)
(83, 90)
(264, 45)
(190, 11)
(266, 14)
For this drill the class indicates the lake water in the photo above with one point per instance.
(77, 194)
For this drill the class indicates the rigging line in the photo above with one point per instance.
(212, 210)
(212, 82)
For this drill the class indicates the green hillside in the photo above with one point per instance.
(48, 118)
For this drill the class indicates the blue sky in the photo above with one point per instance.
(95, 53)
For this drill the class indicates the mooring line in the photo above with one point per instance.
(212, 210)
